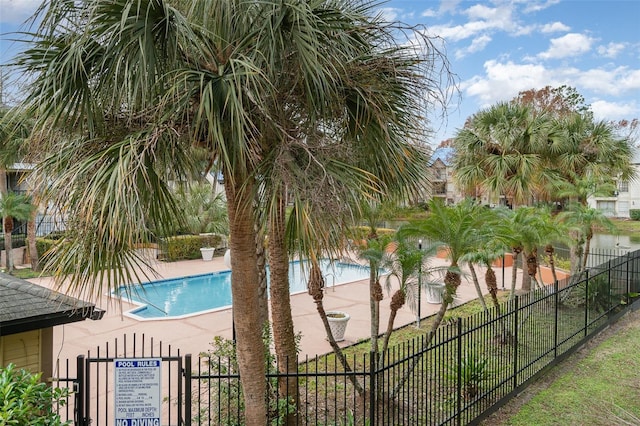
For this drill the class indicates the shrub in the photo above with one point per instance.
(182, 247)
(634, 214)
(474, 372)
(44, 245)
(25, 400)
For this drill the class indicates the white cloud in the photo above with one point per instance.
(429, 13)
(483, 19)
(615, 82)
(389, 14)
(572, 44)
(606, 110)
(536, 6)
(448, 6)
(554, 27)
(17, 11)
(504, 81)
(476, 45)
(612, 50)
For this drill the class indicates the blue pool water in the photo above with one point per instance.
(180, 297)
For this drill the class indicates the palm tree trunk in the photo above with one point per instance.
(452, 282)
(532, 269)
(31, 240)
(549, 251)
(476, 284)
(282, 321)
(375, 296)
(8, 243)
(315, 288)
(397, 301)
(246, 306)
(514, 272)
(492, 286)
(261, 257)
(587, 248)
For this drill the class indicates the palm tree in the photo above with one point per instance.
(12, 206)
(527, 231)
(499, 149)
(204, 211)
(14, 131)
(374, 251)
(590, 150)
(403, 265)
(235, 77)
(458, 229)
(584, 219)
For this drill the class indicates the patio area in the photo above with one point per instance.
(193, 334)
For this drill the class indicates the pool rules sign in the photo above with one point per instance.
(137, 391)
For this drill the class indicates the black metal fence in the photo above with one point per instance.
(470, 367)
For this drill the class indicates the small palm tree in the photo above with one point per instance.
(204, 210)
(12, 206)
(584, 219)
(404, 262)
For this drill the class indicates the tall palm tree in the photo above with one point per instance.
(499, 149)
(588, 149)
(236, 77)
(13, 206)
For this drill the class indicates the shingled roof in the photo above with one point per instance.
(25, 306)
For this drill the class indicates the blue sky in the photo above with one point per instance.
(499, 48)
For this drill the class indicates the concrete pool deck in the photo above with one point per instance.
(194, 334)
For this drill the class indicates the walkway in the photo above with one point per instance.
(194, 334)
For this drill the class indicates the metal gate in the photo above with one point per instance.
(92, 383)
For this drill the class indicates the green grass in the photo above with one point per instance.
(626, 226)
(601, 389)
(26, 273)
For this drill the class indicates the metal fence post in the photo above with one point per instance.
(586, 299)
(373, 371)
(556, 302)
(187, 390)
(629, 264)
(516, 309)
(79, 392)
(459, 385)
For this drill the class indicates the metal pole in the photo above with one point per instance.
(419, 284)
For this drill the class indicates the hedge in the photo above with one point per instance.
(187, 246)
(634, 214)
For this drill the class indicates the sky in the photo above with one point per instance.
(497, 49)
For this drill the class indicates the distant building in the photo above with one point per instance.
(625, 198)
(442, 183)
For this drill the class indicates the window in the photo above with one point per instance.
(623, 186)
(608, 208)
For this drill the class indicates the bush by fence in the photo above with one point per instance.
(187, 246)
(634, 214)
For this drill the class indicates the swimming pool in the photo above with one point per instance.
(197, 294)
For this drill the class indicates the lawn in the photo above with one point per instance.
(596, 386)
